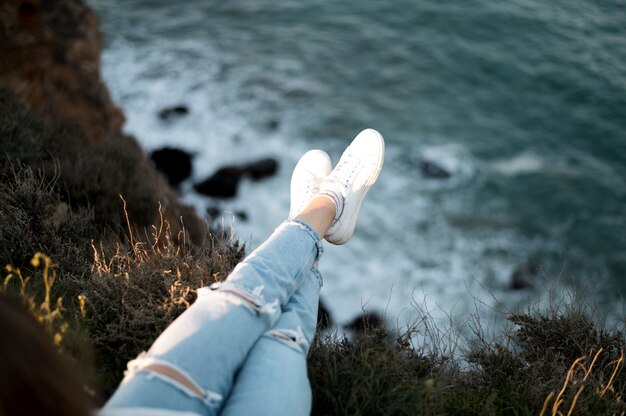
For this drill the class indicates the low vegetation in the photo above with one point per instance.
(119, 281)
(109, 297)
(557, 362)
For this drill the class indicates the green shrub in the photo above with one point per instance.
(551, 361)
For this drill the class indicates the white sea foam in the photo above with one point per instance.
(521, 164)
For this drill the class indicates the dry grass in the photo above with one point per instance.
(590, 372)
(121, 299)
(561, 361)
(46, 311)
(118, 293)
(136, 288)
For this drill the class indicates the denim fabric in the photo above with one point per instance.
(257, 325)
(273, 380)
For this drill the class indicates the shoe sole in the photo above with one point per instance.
(345, 237)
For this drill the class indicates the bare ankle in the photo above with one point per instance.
(319, 214)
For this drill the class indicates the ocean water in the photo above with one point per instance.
(523, 102)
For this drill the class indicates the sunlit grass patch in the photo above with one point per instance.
(47, 311)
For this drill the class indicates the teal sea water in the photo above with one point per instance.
(523, 102)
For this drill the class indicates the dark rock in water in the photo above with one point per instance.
(223, 183)
(366, 322)
(213, 213)
(262, 169)
(525, 276)
(272, 124)
(324, 321)
(432, 170)
(170, 113)
(174, 163)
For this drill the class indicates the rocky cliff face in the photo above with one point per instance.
(50, 62)
(50, 53)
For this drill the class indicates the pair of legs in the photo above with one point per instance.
(241, 347)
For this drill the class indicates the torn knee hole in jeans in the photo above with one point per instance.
(174, 376)
(253, 299)
(293, 338)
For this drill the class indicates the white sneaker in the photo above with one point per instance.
(314, 166)
(350, 181)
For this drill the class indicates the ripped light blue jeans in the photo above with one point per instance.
(241, 348)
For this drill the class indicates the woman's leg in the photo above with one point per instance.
(192, 364)
(273, 379)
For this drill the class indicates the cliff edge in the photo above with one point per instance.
(50, 65)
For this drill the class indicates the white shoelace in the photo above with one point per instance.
(341, 177)
(345, 170)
